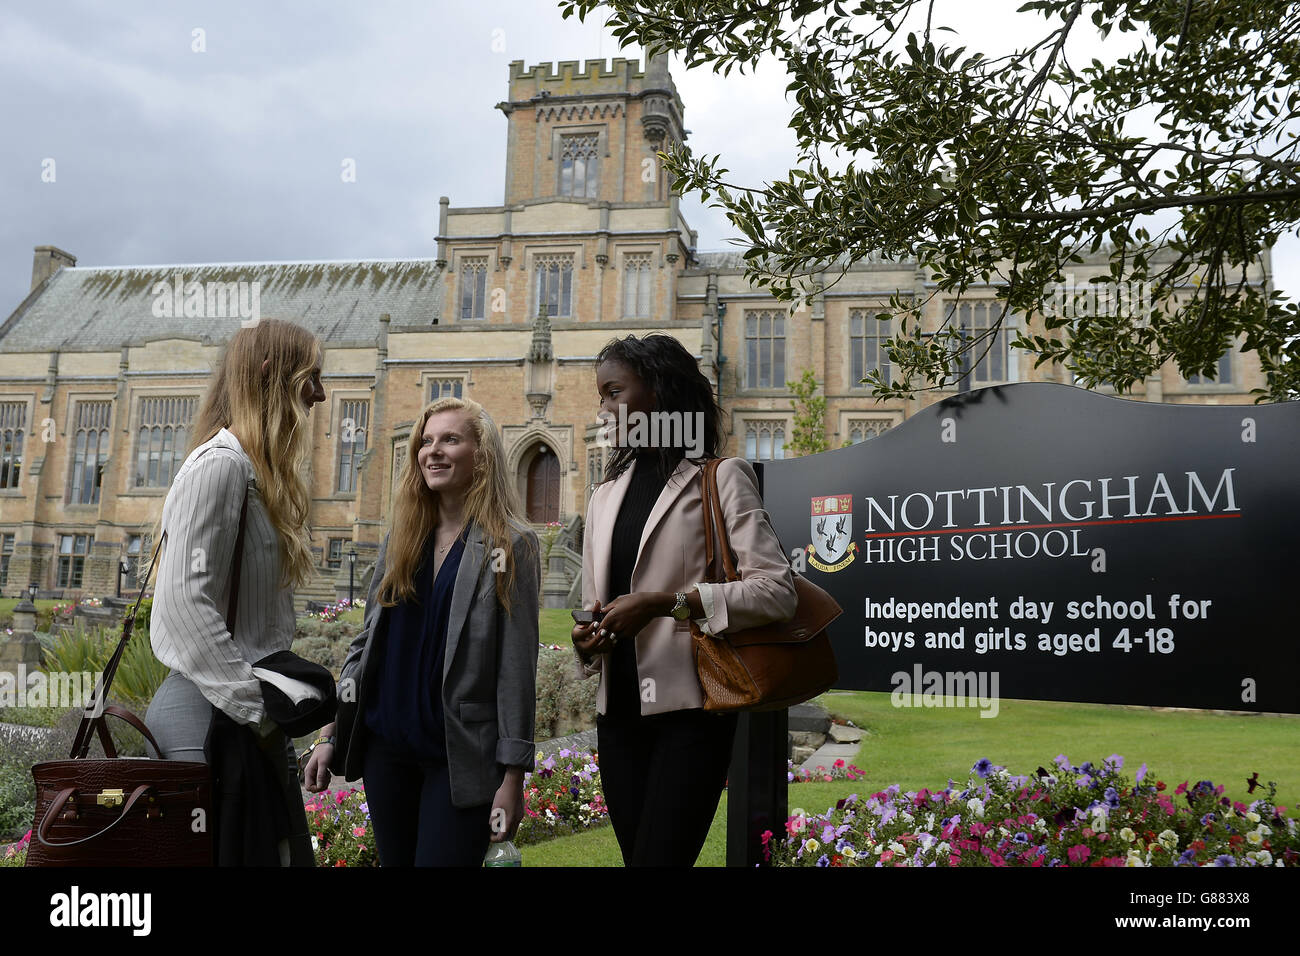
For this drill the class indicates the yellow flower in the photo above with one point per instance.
(811, 845)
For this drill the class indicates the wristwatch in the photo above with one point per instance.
(681, 610)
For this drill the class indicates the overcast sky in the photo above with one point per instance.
(166, 155)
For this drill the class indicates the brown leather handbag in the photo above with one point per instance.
(772, 666)
(125, 811)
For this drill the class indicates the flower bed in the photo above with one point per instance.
(838, 771)
(1071, 816)
(562, 797)
(15, 854)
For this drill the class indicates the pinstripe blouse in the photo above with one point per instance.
(187, 626)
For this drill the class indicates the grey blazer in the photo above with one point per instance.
(489, 679)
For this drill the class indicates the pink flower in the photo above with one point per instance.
(339, 798)
(1078, 854)
(358, 831)
(886, 856)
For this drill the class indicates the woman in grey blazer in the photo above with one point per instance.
(246, 451)
(437, 698)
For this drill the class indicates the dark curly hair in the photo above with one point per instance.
(671, 372)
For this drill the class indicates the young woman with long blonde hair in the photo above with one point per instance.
(247, 450)
(437, 699)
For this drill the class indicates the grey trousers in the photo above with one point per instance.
(179, 718)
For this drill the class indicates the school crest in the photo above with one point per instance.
(832, 547)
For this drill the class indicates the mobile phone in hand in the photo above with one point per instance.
(587, 617)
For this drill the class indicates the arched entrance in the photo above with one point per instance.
(542, 486)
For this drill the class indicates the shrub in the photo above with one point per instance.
(19, 752)
(324, 642)
(565, 704)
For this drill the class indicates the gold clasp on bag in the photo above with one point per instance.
(110, 798)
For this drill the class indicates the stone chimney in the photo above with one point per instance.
(49, 260)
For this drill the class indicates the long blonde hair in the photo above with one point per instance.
(265, 409)
(491, 503)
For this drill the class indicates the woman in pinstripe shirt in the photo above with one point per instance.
(250, 440)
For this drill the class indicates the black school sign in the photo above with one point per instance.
(1044, 542)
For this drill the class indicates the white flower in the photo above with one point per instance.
(811, 845)
(898, 847)
(849, 852)
(1265, 829)
(1264, 857)
(943, 848)
(1168, 839)
(976, 806)
(1254, 837)
(1252, 816)
(315, 844)
(1134, 859)
(906, 817)
(1127, 835)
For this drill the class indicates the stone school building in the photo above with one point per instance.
(102, 367)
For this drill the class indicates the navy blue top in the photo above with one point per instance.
(405, 707)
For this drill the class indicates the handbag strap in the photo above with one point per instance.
(715, 524)
(91, 726)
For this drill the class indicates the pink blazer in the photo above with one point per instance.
(670, 557)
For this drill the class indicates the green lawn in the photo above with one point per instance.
(7, 604)
(916, 748)
(555, 626)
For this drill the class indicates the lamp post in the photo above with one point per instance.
(352, 570)
(122, 570)
(31, 592)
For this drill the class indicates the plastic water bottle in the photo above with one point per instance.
(504, 853)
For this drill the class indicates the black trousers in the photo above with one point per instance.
(663, 775)
(411, 812)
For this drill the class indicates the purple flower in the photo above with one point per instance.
(1115, 762)
(983, 766)
(823, 860)
(828, 833)
(1208, 819)
(1224, 859)
(1086, 769)
(1021, 837)
(1142, 772)
(1112, 798)
(1185, 858)
(1062, 761)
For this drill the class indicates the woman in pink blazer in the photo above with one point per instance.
(663, 759)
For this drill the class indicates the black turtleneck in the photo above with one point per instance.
(623, 695)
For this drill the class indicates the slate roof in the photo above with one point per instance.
(102, 309)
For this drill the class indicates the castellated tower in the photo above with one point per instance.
(590, 133)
